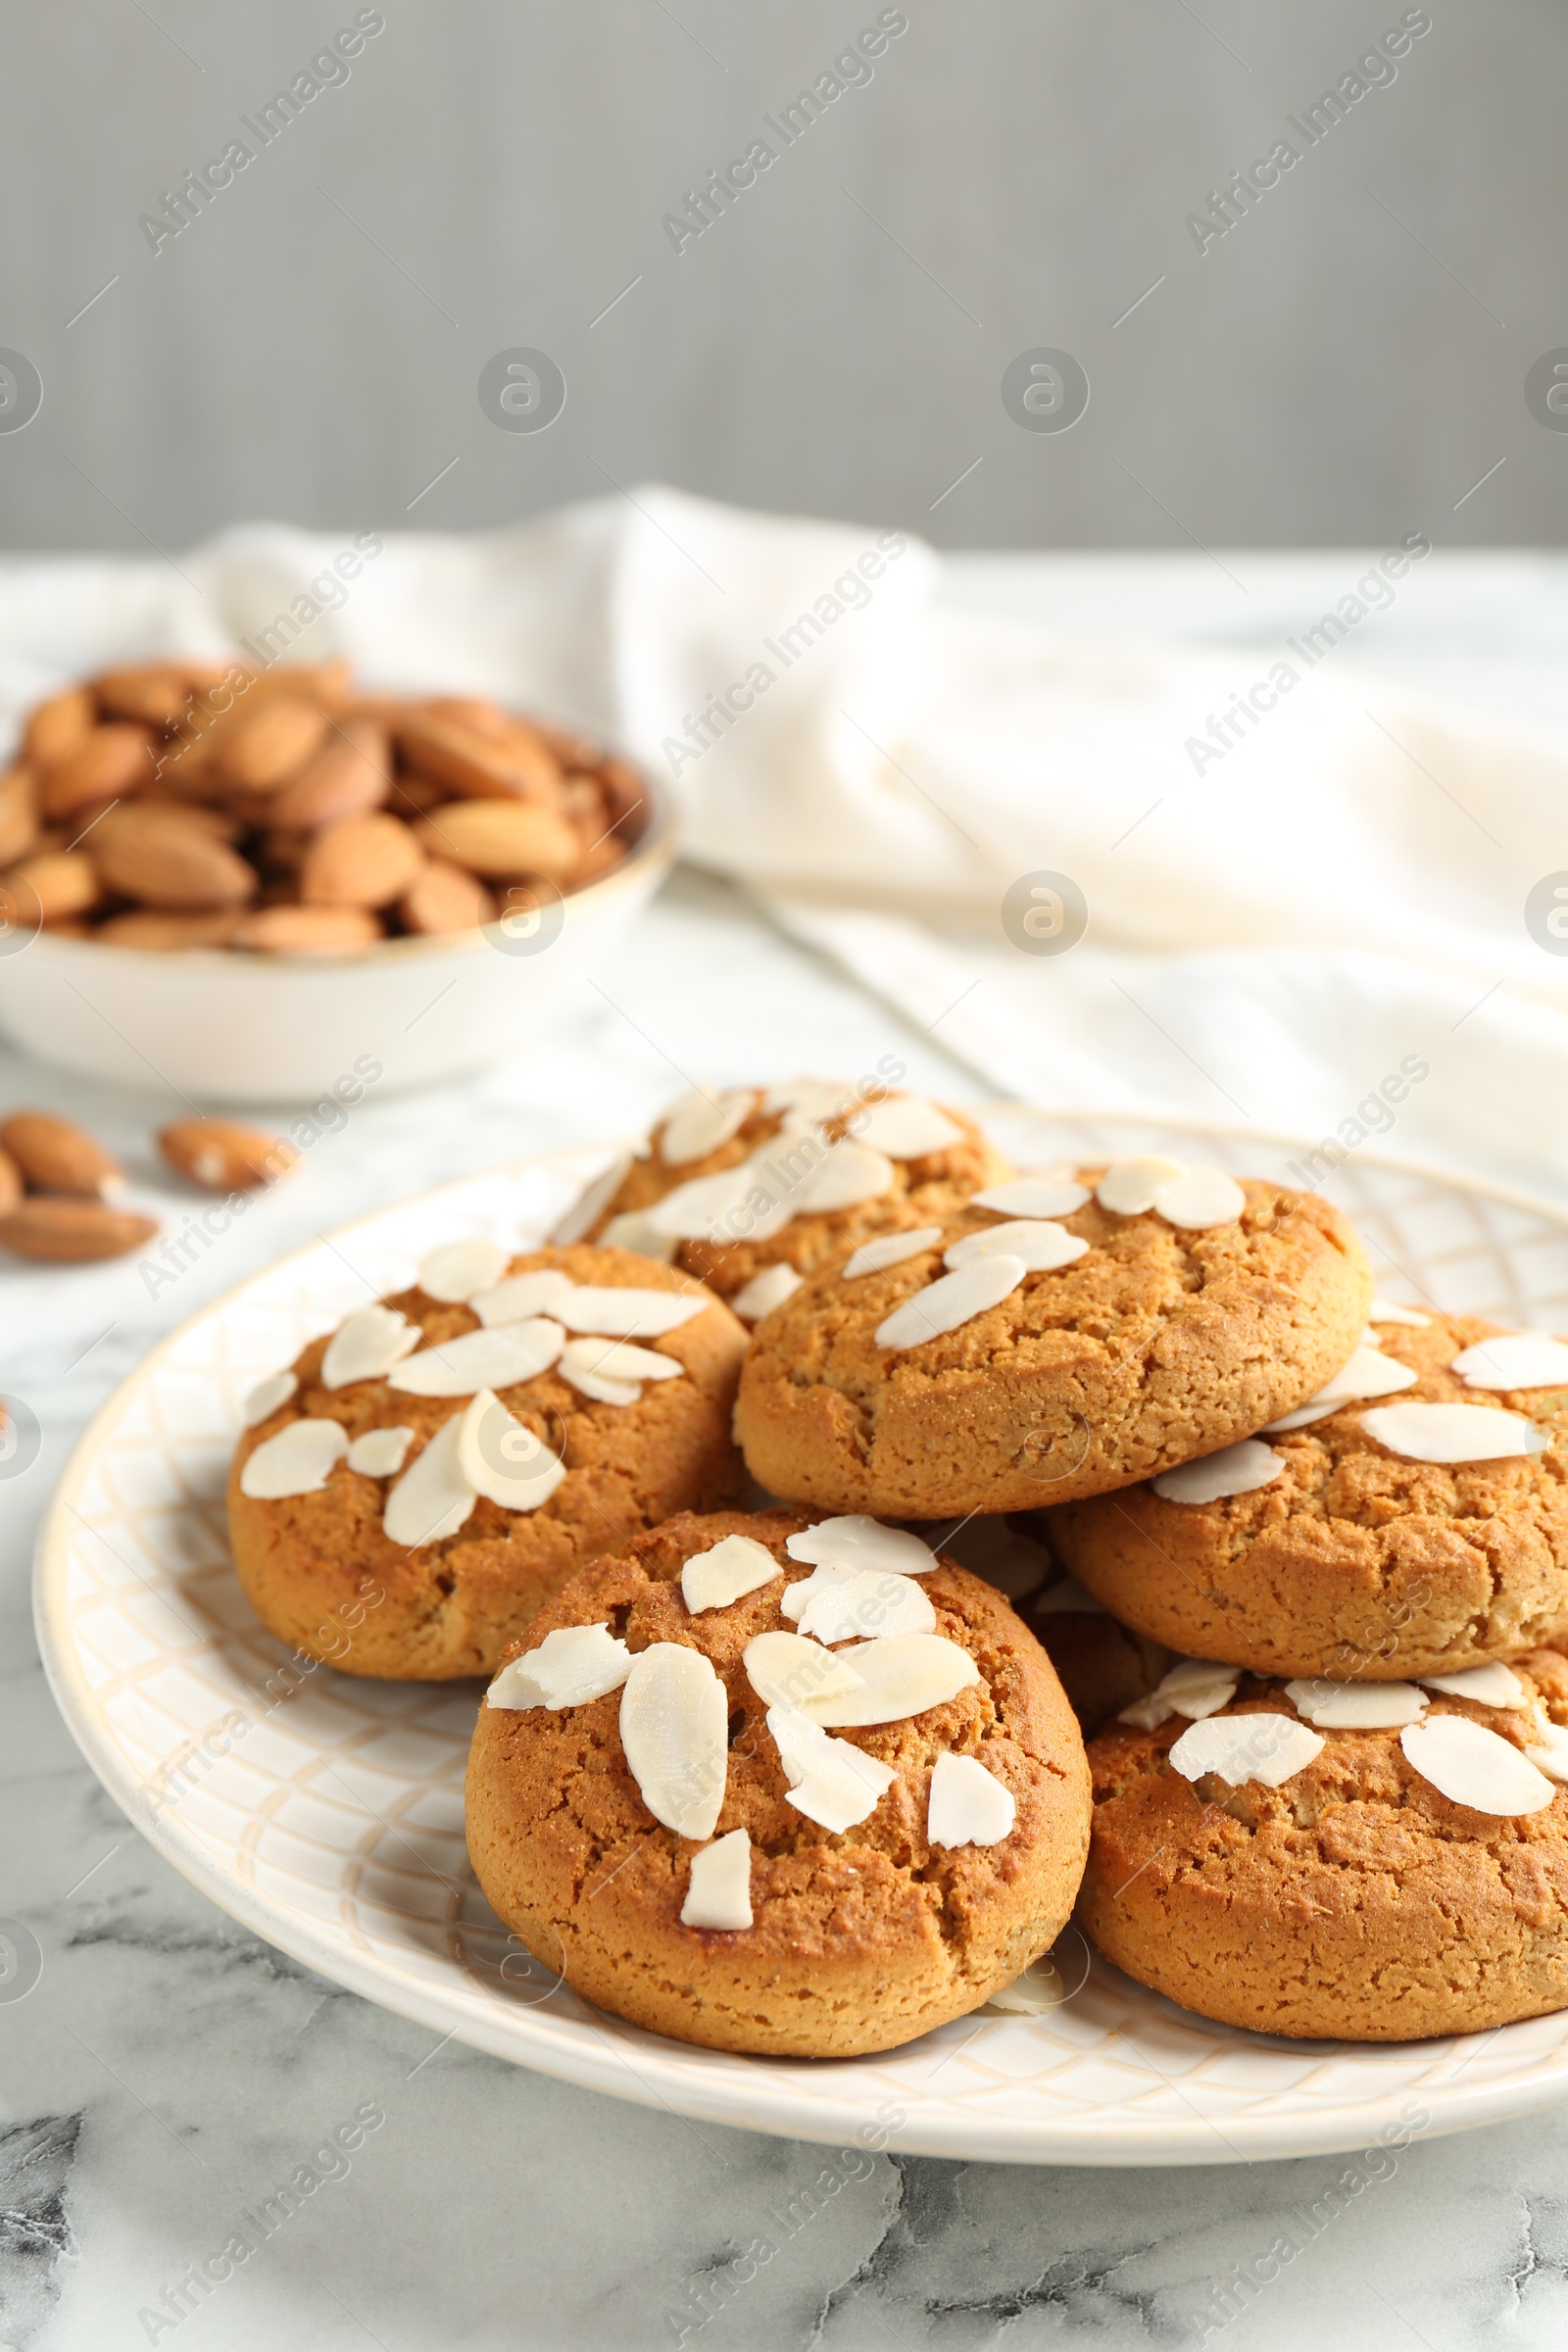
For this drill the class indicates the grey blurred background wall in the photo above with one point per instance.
(1343, 364)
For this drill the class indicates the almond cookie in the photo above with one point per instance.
(1420, 1526)
(1057, 1336)
(753, 1188)
(1360, 1862)
(422, 1481)
(800, 1791)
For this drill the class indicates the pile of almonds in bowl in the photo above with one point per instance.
(198, 804)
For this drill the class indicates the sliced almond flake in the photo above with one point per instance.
(785, 1670)
(458, 1270)
(857, 1542)
(619, 1359)
(380, 1453)
(1239, 1469)
(674, 1731)
(633, 1230)
(263, 1399)
(906, 1127)
(764, 1292)
(718, 1891)
(1356, 1706)
(968, 1805)
(832, 1782)
(629, 1314)
(1042, 1245)
(497, 1358)
(1490, 1686)
(366, 1346)
(1514, 1359)
(702, 1123)
(1549, 1751)
(901, 1676)
(1453, 1433)
(807, 1102)
(875, 1257)
(522, 1297)
(1193, 1687)
(1472, 1766)
(1066, 1598)
(1265, 1748)
(570, 1667)
(432, 1498)
(1038, 1195)
(1370, 1337)
(707, 1207)
(502, 1459)
(1388, 1311)
(951, 1301)
(846, 1174)
(726, 1572)
(1367, 1373)
(592, 1202)
(297, 1461)
(863, 1604)
(601, 1390)
(1131, 1187)
(1200, 1198)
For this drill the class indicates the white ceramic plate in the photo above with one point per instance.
(326, 1814)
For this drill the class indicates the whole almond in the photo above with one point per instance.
(164, 857)
(518, 765)
(111, 761)
(148, 692)
(308, 930)
(19, 813)
(47, 888)
(149, 927)
(446, 899)
(496, 837)
(272, 743)
(416, 796)
(224, 1155)
(365, 861)
(72, 1231)
(55, 1156)
(348, 777)
(10, 1182)
(59, 726)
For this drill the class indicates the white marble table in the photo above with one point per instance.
(167, 2071)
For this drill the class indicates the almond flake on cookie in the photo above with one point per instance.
(848, 1174)
(296, 1461)
(807, 1101)
(502, 1459)
(1184, 1196)
(1357, 1707)
(522, 1297)
(1472, 1766)
(598, 1388)
(1513, 1359)
(1032, 1197)
(619, 1359)
(675, 1732)
(499, 1357)
(1238, 1469)
(786, 1669)
(832, 1782)
(951, 1301)
(262, 1402)
(906, 1127)
(432, 1498)
(764, 1292)
(628, 1315)
(1193, 1688)
(1265, 1748)
(1042, 1245)
(718, 1891)
(1131, 1187)
(968, 1805)
(899, 1675)
(698, 1209)
(859, 1604)
(1453, 1433)
(1548, 1753)
(726, 1572)
(1490, 1686)
(857, 1541)
(570, 1666)
(592, 1202)
(875, 1257)
(702, 1123)
(1367, 1373)
(458, 1270)
(632, 1231)
(380, 1453)
(1388, 1310)
(366, 1346)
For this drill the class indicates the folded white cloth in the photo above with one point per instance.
(1286, 905)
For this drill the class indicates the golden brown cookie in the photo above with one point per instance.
(859, 1939)
(922, 1160)
(319, 1567)
(1353, 1560)
(1156, 1343)
(1355, 1901)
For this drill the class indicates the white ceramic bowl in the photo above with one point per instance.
(221, 1027)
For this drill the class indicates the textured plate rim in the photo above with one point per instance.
(768, 2102)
